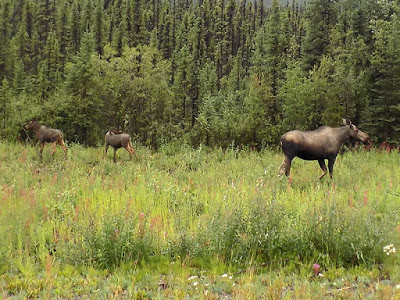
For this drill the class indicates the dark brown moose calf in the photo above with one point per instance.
(320, 144)
(47, 135)
(118, 140)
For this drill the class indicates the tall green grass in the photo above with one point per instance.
(194, 205)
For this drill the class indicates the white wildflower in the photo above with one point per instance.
(230, 277)
(224, 275)
(195, 283)
(192, 277)
(389, 249)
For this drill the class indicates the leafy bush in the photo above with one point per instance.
(114, 241)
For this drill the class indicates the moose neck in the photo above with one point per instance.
(343, 134)
(36, 127)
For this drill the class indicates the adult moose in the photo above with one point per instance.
(320, 144)
(45, 134)
(118, 140)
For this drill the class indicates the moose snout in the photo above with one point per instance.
(366, 140)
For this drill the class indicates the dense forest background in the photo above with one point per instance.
(212, 72)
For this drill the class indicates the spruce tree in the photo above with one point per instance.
(320, 18)
(385, 62)
(5, 37)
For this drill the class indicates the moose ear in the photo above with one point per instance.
(346, 122)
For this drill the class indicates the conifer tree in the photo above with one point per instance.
(63, 33)
(385, 103)
(75, 29)
(5, 37)
(166, 38)
(5, 100)
(83, 112)
(320, 17)
(46, 20)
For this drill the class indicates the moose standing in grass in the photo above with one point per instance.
(320, 144)
(44, 135)
(118, 140)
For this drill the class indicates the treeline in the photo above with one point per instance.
(212, 72)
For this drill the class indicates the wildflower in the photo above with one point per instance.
(192, 277)
(316, 268)
(195, 283)
(389, 249)
(224, 275)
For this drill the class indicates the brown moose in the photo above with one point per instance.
(47, 135)
(320, 144)
(118, 140)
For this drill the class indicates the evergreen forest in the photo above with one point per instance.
(218, 73)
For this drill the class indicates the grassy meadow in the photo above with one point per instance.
(197, 224)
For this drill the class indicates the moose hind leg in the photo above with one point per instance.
(323, 167)
(130, 149)
(62, 145)
(133, 149)
(285, 167)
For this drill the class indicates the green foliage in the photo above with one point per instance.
(135, 94)
(112, 242)
(386, 64)
(90, 226)
(82, 113)
(218, 73)
(315, 101)
(321, 17)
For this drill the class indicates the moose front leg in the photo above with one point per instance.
(331, 162)
(54, 148)
(323, 167)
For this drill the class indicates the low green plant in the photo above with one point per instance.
(197, 212)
